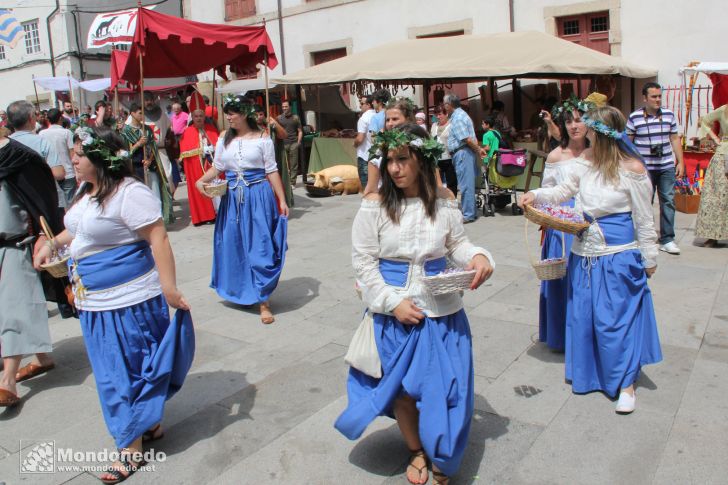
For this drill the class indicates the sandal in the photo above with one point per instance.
(420, 453)
(124, 459)
(31, 370)
(152, 435)
(439, 478)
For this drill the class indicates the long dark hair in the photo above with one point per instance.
(567, 115)
(392, 196)
(239, 106)
(107, 180)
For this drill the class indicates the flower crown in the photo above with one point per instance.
(600, 127)
(571, 104)
(97, 147)
(237, 103)
(401, 99)
(384, 141)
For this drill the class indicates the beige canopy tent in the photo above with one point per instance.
(469, 57)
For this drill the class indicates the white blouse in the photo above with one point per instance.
(94, 229)
(245, 154)
(556, 172)
(416, 239)
(596, 197)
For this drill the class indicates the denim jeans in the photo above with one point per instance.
(362, 167)
(68, 186)
(663, 182)
(464, 161)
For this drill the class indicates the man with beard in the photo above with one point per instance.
(27, 192)
(159, 122)
(68, 113)
(277, 133)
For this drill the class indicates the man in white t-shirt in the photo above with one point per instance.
(61, 140)
(363, 140)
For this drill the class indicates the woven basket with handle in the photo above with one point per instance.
(548, 270)
(58, 268)
(215, 190)
(542, 219)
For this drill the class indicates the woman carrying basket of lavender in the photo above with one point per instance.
(123, 276)
(400, 235)
(559, 163)
(611, 332)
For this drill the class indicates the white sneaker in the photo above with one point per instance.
(670, 248)
(626, 403)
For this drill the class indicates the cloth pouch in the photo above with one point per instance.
(363, 354)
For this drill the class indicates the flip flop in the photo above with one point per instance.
(31, 370)
(8, 399)
(151, 434)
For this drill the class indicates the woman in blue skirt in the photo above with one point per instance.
(556, 244)
(123, 275)
(252, 222)
(611, 330)
(400, 235)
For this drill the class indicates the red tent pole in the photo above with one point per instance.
(141, 92)
(267, 99)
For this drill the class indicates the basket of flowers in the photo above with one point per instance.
(560, 218)
(216, 188)
(58, 265)
(452, 280)
(551, 268)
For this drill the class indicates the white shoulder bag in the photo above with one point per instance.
(363, 354)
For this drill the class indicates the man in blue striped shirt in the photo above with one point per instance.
(653, 130)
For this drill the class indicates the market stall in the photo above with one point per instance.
(327, 152)
(471, 58)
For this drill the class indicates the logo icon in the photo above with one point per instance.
(40, 459)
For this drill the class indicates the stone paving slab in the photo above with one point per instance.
(259, 402)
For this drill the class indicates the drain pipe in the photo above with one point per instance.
(50, 37)
(510, 15)
(280, 34)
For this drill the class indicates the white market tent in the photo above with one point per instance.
(242, 86)
(470, 57)
(707, 67)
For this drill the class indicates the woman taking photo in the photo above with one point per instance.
(397, 112)
(123, 275)
(400, 235)
(250, 230)
(559, 163)
(713, 214)
(611, 332)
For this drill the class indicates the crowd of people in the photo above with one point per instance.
(105, 192)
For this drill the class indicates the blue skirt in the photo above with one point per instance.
(433, 364)
(249, 244)
(139, 360)
(552, 302)
(611, 331)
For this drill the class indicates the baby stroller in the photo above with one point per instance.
(499, 182)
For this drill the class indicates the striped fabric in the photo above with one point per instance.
(649, 130)
(10, 29)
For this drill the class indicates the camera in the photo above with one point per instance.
(656, 150)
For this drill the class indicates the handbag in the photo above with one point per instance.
(363, 354)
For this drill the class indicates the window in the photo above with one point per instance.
(571, 27)
(32, 38)
(2, 52)
(238, 9)
(600, 24)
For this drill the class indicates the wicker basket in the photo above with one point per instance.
(59, 268)
(537, 217)
(215, 190)
(548, 270)
(444, 283)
